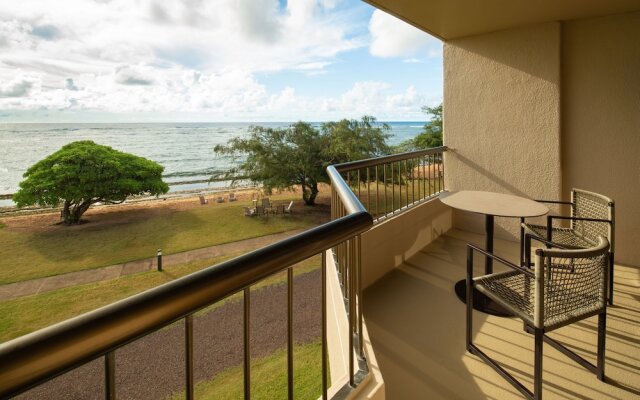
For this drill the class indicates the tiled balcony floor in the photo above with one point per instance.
(416, 324)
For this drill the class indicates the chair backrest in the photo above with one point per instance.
(266, 202)
(575, 282)
(232, 196)
(593, 205)
(259, 210)
(280, 209)
(202, 200)
(247, 211)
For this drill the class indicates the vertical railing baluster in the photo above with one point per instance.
(384, 177)
(247, 343)
(424, 177)
(441, 170)
(393, 191)
(442, 158)
(413, 182)
(188, 357)
(406, 173)
(351, 321)
(430, 172)
(323, 268)
(377, 194)
(368, 192)
(290, 332)
(359, 187)
(110, 375)
(358, 240)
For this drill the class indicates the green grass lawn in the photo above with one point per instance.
(27, 314)
(268, 377)
(61, 249)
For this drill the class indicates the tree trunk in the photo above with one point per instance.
(309, 193)
(65, 215)
(73, 215)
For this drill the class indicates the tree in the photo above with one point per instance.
(351, 140)
(83, 173)
(299, 154)
(431, 135)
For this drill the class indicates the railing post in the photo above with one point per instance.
(188, 335)
(290, 332)
(323, 268)
(247, 343)
(110, 376)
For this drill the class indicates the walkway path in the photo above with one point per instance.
(40, 285)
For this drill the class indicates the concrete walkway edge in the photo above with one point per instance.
(49, 283)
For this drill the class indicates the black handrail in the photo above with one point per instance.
(372, 162)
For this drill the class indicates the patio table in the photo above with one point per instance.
(491, 205)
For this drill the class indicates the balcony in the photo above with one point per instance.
(417, 329)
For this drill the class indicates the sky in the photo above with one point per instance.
(212, 60)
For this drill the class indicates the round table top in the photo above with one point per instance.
(497, 204)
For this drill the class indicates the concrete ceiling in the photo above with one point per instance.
(450, 19)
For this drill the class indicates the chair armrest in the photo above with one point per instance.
(554, 202)
(552, 217)
(471, 248)
(529, 238)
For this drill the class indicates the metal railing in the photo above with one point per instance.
(391, 184)
(38, 357)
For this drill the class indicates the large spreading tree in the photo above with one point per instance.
(299, 154)
(84, 173)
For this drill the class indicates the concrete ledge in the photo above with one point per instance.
(388, 244)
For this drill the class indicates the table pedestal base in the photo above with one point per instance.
(480, 301)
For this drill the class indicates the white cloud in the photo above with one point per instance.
(194, 57)
(391, 37)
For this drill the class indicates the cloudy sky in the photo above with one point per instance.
(211, 60)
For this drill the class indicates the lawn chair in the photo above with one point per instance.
(220, 199)
(266, 203)
(280, 209)
(232, 197)
(289, 207)
(249, 212)
(564, 287)
(592, 215)
(261, 211)
(203, 200)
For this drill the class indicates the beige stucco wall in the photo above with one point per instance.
(502, 116)
(388, 244)
(601, 118)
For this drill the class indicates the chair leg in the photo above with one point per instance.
(537, 364)
(602, 334)
(469, 338)
(522, 243)
(611, 279)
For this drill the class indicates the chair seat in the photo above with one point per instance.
(515, 291)
(566, 237)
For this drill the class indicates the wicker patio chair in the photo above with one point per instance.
(565, 286)
(592, 215)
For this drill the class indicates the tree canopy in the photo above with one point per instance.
(431, 135)
(83, 173)
(299, 154)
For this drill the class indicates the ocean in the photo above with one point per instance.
(184, 149)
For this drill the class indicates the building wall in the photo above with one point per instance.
(536, 111)
(601, 118)
(388, 244)
(502, 117)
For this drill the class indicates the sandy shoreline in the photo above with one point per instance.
(45, 218)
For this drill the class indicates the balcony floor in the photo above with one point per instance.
(416, 324)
